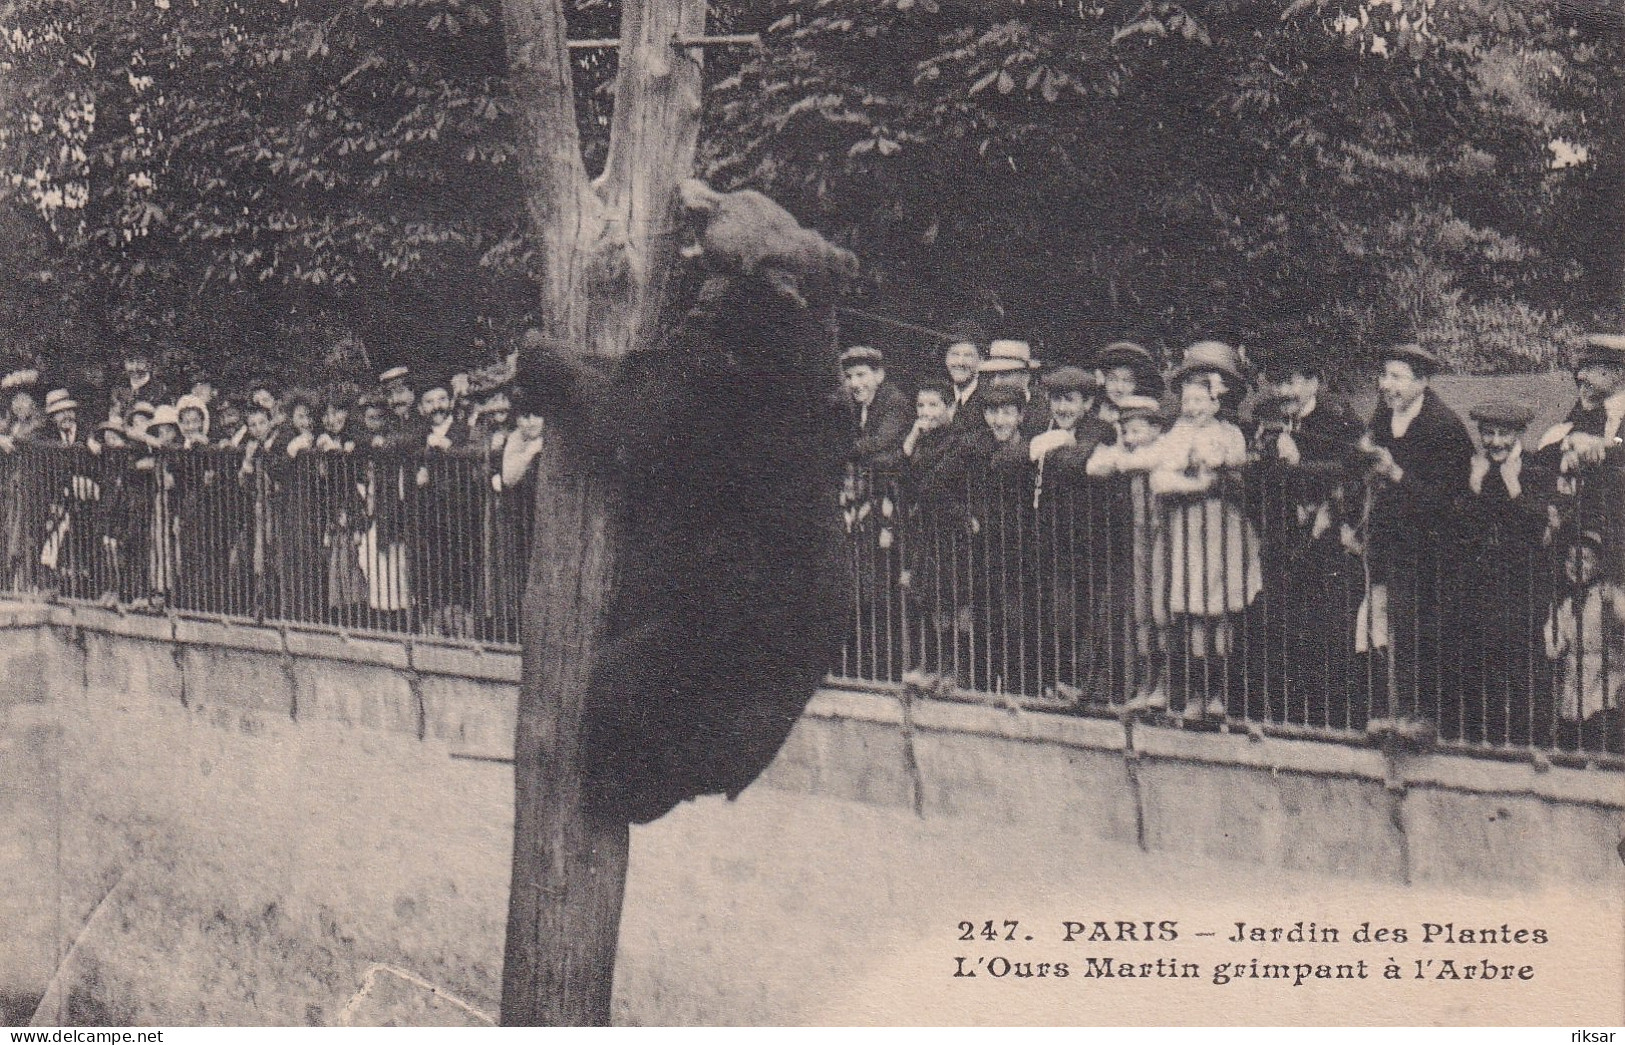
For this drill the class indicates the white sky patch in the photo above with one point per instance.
(1567, 154)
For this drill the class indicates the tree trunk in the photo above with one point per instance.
(608, 247)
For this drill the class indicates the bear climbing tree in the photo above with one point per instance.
(652, 636)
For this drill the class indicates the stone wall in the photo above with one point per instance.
(226, 824)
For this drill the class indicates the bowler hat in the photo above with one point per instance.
(862, 355)
(1503, 413)
(1070, 379)
(1423, 362)
(966, 331)
(1008, 354)
(1001, 395)
(1603, 349)
(1209, 355)
(58, 400)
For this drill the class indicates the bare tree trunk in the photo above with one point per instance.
(608, 247)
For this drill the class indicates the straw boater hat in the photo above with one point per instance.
(58, 400)
(1422, 361)
(165, 415)
(1209, 355)
(394, 373)
(1602, 349)
(20, 379)
(1007, 354)
(1503, 413)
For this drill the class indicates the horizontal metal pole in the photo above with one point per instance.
(726, 40)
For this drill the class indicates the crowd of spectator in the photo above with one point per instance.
(1224, 539)
(384, 507)
(1220, 539)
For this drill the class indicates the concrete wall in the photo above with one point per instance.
(309, 828)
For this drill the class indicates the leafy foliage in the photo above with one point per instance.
(239, 185)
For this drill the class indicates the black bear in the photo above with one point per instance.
(732, 589)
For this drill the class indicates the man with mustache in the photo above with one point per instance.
(1585, 448)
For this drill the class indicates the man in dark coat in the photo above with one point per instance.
(1586, 450)
(993, 469)
(1418, 455)
(882, 417)
(1306, 443)
(1070, 527)
(881, 414)
(1506, 585)
(961, 360)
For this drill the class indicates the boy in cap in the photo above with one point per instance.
(1417, 453)
(1060, 455)
(1585, 637)
(1505, 582)
(1010, 364)
(881, 415)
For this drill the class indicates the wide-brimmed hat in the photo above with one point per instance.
(1603, 349)
(20, 379)
(1421, 360)
(58, 400)
(1070, 379)
(1007, 354)
(1503, 412)
(1209, 355)
(165, 415)
(394, 373)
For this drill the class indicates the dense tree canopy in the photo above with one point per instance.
(263, 185)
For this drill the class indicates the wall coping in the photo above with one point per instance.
(1436, 771)
(1440, 771)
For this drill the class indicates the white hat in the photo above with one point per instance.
(58, 400)
(394, 373)
(20, 379)
(1006, 354)
(165, 415)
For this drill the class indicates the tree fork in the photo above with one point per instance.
(607, 252)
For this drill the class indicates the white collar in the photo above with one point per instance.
(1401, 422)
(1308, 408)
(965, 391)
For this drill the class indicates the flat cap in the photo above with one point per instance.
(1125, 353)
(1145, 407)
(862, 355)
(1503, 412)
(1602, 349)
(1424, 362)
(1070, 379)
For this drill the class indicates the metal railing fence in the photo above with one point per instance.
(1271, 601)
